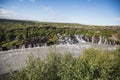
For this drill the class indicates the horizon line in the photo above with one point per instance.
(59, 22)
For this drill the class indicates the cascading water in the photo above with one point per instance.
(93, 39)
(23, 47)
(105, 42)
(29, 46)
(80, 40)
(65, 39)
(60, 41)
(100, 40)
(69, 40)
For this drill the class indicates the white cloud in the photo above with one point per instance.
(52, 14)
(50, 11)
(8, 14)
(4, 13)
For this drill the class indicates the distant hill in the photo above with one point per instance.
(75, 25)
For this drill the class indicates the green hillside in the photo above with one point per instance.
(16, 32)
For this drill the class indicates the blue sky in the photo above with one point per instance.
(91, 12)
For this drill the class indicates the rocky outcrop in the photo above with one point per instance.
(83, 39)
(62, 39)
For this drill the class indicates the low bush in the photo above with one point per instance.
(91, 65)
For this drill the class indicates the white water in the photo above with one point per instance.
(106, 42)
(79, 39)
(23, 46)
(67, 39)
(100, 40)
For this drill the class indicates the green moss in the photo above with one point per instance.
(12, 43)
(54, 39)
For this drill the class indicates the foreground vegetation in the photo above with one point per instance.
(92, 65)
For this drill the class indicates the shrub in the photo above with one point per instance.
(91, 65)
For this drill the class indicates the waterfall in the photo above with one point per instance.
(69, 40)
(60, 40)
(110, 43)
(88, 40)
(77, 37)
(80, 40)
(100, 40)
(23, 47)
(83, 41)
(105, 42)
(93, 39)
(29, 46)
(38, 45)
(114, 43)
(64, 39)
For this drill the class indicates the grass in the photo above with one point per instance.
(92, 65)
(14, 32)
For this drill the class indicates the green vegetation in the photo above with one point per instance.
(54, 39)
(92, 65)
(12, 43)
(13, 31)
